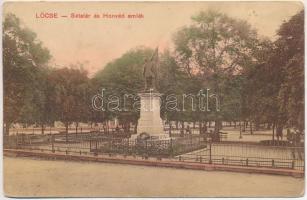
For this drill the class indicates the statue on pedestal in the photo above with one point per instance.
(150, 124)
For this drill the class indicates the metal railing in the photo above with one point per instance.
(249, 155)
(191, 148)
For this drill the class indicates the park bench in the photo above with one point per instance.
(223, 135)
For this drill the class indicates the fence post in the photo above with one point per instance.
(96, 147)
(110, 144)
(145, 146)
(246, 161)
(210, 158)
(171, 147)
(273, 163)
(52, 143)
(22, 139)
(293, 163)
(29, 139)
(17, 141)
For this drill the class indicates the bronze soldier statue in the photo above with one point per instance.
(150, 72)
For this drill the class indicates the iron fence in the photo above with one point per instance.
(191, 148)
(251, 155)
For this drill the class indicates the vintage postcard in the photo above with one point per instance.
(153, 99)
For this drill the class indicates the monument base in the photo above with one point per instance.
(150, 121)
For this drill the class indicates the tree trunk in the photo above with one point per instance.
(128, 127)
(244, 126)
(269, 126)
(273, 135)
(251, 127)
(182, 129)
(77, 124)
(217, 124)
(108, 127)
(7, 129)
(136, 127)
(240, 126)
(66, 131)
(257, 125)
(43, 128)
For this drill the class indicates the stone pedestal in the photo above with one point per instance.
(150, 121)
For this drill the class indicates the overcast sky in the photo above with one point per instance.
(99, 41)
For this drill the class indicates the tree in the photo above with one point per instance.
(290, 47)
(69, 95)
(258, 87)
(38, 103)
(121, 77)
(23, 58)
(274, 87)
(214, 49)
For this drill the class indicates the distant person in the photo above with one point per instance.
(211, 134)
(289, 135)
(297, 137)
(279, 132)
(117, 129)
(181, 133)
(188, 130)
(104, 129)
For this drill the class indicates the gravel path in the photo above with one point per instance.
(25, 177)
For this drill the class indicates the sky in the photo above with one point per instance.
(97, 41)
